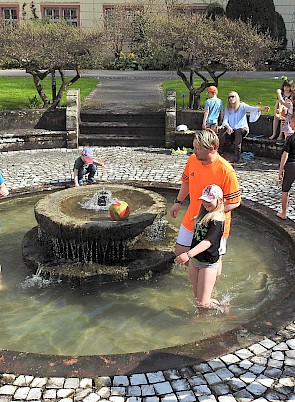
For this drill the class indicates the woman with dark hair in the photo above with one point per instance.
(284, 93)
(235, 122)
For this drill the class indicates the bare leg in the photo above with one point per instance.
(205, 285)
(219, 269)
(275, 123)
(193, 274)
(285, 199)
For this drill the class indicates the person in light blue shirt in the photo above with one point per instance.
(3, 189)
(235, 124)
(213, 110)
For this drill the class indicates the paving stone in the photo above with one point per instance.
(281, 346)
(267, 382)
(197, 380)
(72, 382)
(138, 379)
(202, 368)
(235, 384)
(104, 392)
(243, 353)
(256, 388)
(257, 349)
(65, 393)
(7, 389)
(147, 390)
(180, 385)
(163, 388)
(23, 380)
(216, 364)
(151, 399)
(257, 369)
(169, 398)
(186, 396)
(230, 358)
(236, 370)
(21, 393)
(291, 343)
(278, 355)
(120, 391)
(289, 362)
(224, 374)
(81, 393)
(243, 396)
(158, 376)
(49, 394)
(34, 394)
(116, 399)
(201, 390)
(119, 380)
(275, 363)
(226, 398)
(212, 378)
(245, 364)
(7, 378)
(248, 377)
(93, 397)
(273, 373)
(220, 389)
(55, 382)
(39, 382)
(134, 390)
(267, 343)
(134, 399)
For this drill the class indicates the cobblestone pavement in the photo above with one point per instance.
(264, 371)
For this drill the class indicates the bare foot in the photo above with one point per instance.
(273, 137)
(281, 215)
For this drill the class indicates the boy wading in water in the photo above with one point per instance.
(203, 255)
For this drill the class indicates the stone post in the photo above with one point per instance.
(73, 117)
(170, 119)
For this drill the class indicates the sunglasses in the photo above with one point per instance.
(231, 96)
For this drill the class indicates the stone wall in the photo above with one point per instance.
(33, 118)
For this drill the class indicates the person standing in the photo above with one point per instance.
(205, 166)
(235, 122)
(213, 110)
(204, 255)
(287, 169)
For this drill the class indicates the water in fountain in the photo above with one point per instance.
(100, 201)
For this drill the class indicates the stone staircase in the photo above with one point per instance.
(101, 128)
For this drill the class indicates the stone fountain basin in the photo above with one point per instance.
(61, 216)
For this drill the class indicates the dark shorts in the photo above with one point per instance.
(289, 176)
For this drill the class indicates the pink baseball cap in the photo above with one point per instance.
(88, 155)
(211, 192)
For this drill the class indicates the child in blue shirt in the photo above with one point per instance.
(213, 110)
(86, 164)
(3, 189)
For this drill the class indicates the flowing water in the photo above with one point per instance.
(40, 316)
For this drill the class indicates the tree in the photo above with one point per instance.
(42, 47)
(215, 46)
(215, 10)
(261, 14)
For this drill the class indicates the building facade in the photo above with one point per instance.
(86, 13)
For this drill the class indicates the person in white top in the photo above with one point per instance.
(235, 124)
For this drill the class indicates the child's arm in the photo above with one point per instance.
(281, 100)
(206, 112)
(284, 158)
(99, 163)
(76, 182)
(199, 248)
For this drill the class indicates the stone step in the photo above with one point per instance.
(121, 140)
(132, 118)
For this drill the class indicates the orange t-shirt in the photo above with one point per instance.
(198, 176)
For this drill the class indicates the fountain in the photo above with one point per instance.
(76, 237)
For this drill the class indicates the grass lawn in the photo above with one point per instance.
(16, 92)
(251, 90)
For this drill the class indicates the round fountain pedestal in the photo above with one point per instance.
(78, 244)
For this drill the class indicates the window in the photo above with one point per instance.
(189, 10)
(120, 11)
(9, 14)
(71, 14)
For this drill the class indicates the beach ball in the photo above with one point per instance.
(119, 210)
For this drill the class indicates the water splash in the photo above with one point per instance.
(36, 281)
(99, 202)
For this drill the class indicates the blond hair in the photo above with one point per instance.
(204, 217)
(207, 138)
(236, 105)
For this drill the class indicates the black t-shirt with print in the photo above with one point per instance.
(213, 233)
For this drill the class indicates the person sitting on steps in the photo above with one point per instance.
(235, 122)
